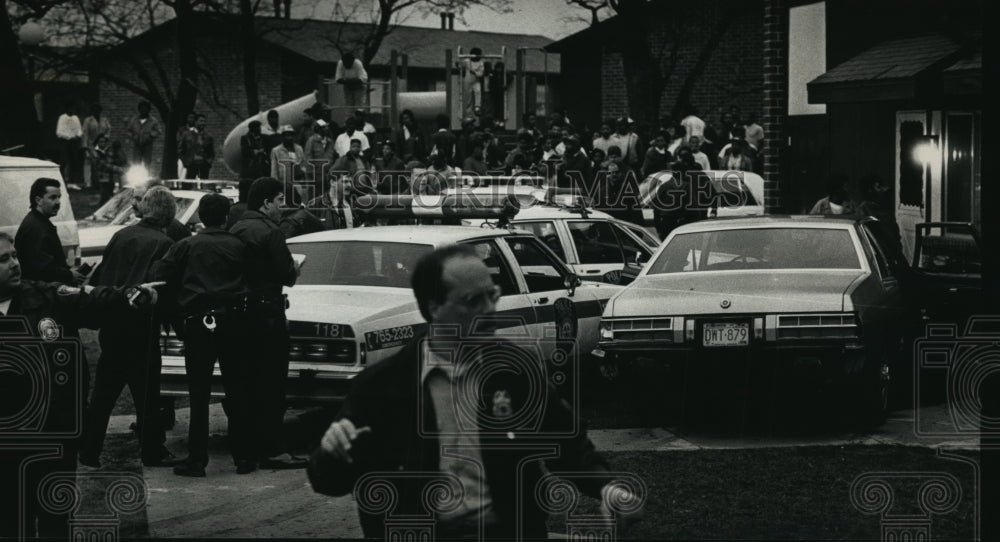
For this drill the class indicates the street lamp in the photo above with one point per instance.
(30, 35)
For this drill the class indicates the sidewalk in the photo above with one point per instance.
(281, 504)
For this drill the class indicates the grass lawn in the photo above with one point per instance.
(780, 493)
(120, 460)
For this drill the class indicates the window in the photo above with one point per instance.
(499, 270)
(758, 248)
(544, 230)
(629, 245)
(358, 263)
(541, 272)
(595, 242)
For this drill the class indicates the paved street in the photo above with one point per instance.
(282, 504)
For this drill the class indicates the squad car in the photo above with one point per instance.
(353, 305)
(720, 193)
(97, 229)
(595, 245)
(797, 295)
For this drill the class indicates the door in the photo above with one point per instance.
(514, 309)
(546, 231)
(947, 267)
(599, 254)
(546, 279)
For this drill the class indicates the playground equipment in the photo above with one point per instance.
(426, 106)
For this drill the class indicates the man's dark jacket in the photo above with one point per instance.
(269, 262)
(385, 397)
(40, 250)
(130, 255)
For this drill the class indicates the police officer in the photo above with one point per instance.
(269, 267)
(130, 352)
(208, 272)
(46, 310)
(175, 230)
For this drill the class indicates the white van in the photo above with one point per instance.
(16, 176)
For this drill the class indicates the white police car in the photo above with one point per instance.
(595, 245)
(97, 229)
(353, 304)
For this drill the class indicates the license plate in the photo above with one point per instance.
(726, 335)
(389, 338)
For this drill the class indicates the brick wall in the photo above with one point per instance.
(733, 75)
(775, 98)
(222, 98)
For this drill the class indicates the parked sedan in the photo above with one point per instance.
(353, 304)
(798, 295)
(596, 245)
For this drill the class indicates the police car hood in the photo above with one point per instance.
(351, 305)
(747, 292)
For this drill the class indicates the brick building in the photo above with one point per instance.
(294, 58)
(869, 84)
(719, 61)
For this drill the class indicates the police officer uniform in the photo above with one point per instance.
(207, 270)
(269, 267)
(42, 439)
(130, 347)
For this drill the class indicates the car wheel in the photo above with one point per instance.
(873, 397)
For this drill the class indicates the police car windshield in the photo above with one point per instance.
(358, 263)
(758, 248)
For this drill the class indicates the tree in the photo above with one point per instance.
(92, 31)
(18, 124)
(595, 7)
(381, 17)
(649, 67)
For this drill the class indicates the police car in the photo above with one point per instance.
(97, 229)
(595, 245)
(353, 305)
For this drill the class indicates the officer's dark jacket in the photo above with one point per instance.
(236, 212)
(269, 262)
(130, 255)
(52, 309)
(176, 231)
(384, 397)
(66, 305)
(206, 269)
(40, 250)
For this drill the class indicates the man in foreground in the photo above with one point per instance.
(434, 409)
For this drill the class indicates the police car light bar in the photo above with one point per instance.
(196, 184)
(459, 205)
(476, 181)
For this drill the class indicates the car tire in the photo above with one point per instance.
(872, 392)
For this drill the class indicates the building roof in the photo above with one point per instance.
(891, 60)
(316, 40)
(890, 70)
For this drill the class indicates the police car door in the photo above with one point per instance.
(514, 307)
(550, 285)
(599, 253)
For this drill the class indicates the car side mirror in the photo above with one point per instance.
(640, 258)
(571, 282)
